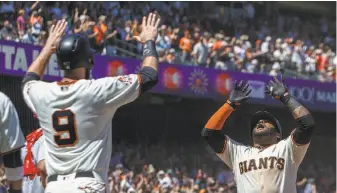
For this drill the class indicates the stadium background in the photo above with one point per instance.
(164, 131)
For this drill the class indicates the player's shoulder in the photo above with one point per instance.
(89, 82)
(86, 85)
(36, 82)
(231, 141)
(36, 85)
(56, 85)
(100, 82)
(283, 143)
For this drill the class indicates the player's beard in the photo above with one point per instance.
(265, 137)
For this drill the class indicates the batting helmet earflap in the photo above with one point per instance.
(73, 52)
(264, 115)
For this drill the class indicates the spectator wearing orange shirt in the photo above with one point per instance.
(98, 33)
(36, 21)
(320, 60)
(101, 23)
(218, 44)
(98, 37)
(136, 28)
(185, 45)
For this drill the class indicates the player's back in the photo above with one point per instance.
(76, 127)
(76, 119)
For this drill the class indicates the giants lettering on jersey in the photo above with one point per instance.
(262, 163)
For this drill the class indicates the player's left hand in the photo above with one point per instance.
(239, 94)
(276, 88)
(55, 34)
(150, 26)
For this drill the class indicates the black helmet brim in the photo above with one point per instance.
(267, 116)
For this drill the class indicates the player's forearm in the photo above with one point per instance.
(43, 172)
(149, 70)
(211, 132)
(151, 61)
(218, 119)
(150, 55)
(43, 179)
(39, 65)
(305, 122)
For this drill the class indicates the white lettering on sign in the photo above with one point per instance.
(8, 51)
(16, 59)
(326, 96)
(35, 54)
(20, 62)
(305, 94)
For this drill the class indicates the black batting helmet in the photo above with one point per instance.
(73, 52)
(267, 116)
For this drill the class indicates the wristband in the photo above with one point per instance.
(285, 98)
(231, 104)
(149, 49)
(290, 102)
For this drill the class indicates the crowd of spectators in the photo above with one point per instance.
(243, 39)
(189, 169)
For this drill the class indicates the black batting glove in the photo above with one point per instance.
(239, 94)
(277, 89)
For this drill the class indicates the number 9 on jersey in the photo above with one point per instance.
(64, 123)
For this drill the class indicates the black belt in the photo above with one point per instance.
(53, 178)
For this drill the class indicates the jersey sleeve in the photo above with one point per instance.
(10, 130)
(120, 90)
(230, 151)
(28, 94)
(297, 151)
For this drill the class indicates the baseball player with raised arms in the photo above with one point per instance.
(11, 141)
(76, 113)
(271, 164)
(32, 155)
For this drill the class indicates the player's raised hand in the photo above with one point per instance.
(276, 88)
(240, 93)
(55, 34)
(150, 26)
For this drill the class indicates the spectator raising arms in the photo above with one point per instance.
(248, 41)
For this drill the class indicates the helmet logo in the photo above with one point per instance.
(66, 65)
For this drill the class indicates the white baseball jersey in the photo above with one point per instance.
(11, 137)
(270, 170)
(77, 118)
(35, 185)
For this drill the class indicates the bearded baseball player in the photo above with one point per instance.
(76, 113)
(32, 155)
(11, 141)
(271, 164)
